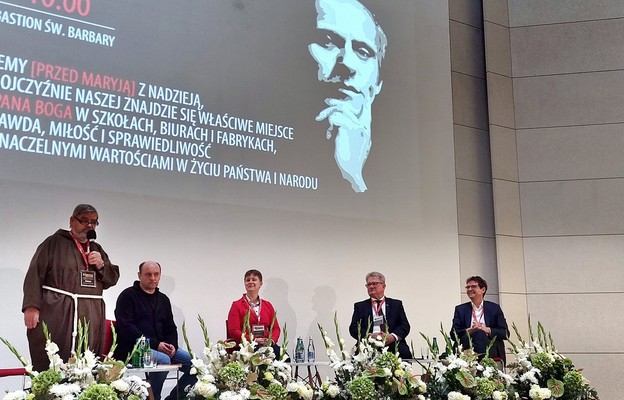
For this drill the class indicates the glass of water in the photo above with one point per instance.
(148, 360)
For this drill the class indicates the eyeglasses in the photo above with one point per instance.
(373, 284)
(472, 287)
(86, 221)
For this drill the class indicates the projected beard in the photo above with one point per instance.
(348, 52)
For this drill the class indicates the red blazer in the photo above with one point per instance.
(237, 314)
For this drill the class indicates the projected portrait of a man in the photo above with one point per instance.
(349, 51)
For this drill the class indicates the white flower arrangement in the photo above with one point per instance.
(538, 393)
(83, 376)
(249, 372)
(540, 372)
(458, 396)
(461, 375)
(16, 395)
(370, 366)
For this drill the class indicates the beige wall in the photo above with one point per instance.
(546, 220)
(477, 247)
(568, 84)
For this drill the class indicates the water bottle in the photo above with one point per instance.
(311, 352)
(299, 351)
(147, 354)
(449, 349)
(137, 356)
(434, 347)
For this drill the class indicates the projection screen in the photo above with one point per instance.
(216, 136)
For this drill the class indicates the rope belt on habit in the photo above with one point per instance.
(75, 297)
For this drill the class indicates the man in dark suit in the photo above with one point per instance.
(482, 320)
(380, 314)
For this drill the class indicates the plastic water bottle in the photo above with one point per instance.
(147, 354)
(299, 351)
(137, 356)
(434, 347)
(449, 349)
(311, 352)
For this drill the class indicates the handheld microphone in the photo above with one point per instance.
(91, 235)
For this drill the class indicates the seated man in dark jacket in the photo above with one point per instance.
(383, 314)
(480, 319)
(142, 310)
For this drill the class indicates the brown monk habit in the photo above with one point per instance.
(58, 263)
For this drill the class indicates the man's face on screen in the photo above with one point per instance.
(346, 52)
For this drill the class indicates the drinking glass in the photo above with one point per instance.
(148, 360)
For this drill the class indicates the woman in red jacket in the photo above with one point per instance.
(261, 313)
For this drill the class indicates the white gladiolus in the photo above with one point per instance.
(51, 348)
(333, 390)
(55, 361)
(65, 391)
(16, 395)
(530, 376)
(538, 393)
(457, 396)
(497, 395)
(120, 385)
(205, 389)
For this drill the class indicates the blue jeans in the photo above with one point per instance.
(157, 379)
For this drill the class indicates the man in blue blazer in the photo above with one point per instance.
(381, 314)
(480, 319)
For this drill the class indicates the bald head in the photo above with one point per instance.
(149, 276)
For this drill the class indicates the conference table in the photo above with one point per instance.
(158, 368)
(308, 372)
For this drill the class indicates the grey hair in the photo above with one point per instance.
(375, 274)
(83, 209)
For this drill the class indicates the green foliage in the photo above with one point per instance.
(204, 329)
(82, 344)
(538, 364)
(573, 383)
(484, 388)
(556, 387)
(233, 375)
(542, 362)
(186, 341)
(387, 360)
(362, 388)
(98, 391)
(41, 383)
(465, 378)
(277, 391)
(488, 362)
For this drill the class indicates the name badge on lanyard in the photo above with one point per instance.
(378, 315)
(87, 279)
(257, 330)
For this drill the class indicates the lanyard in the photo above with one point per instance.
(255, 306)
(477, 318)
(82, 251)
(378, 306)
